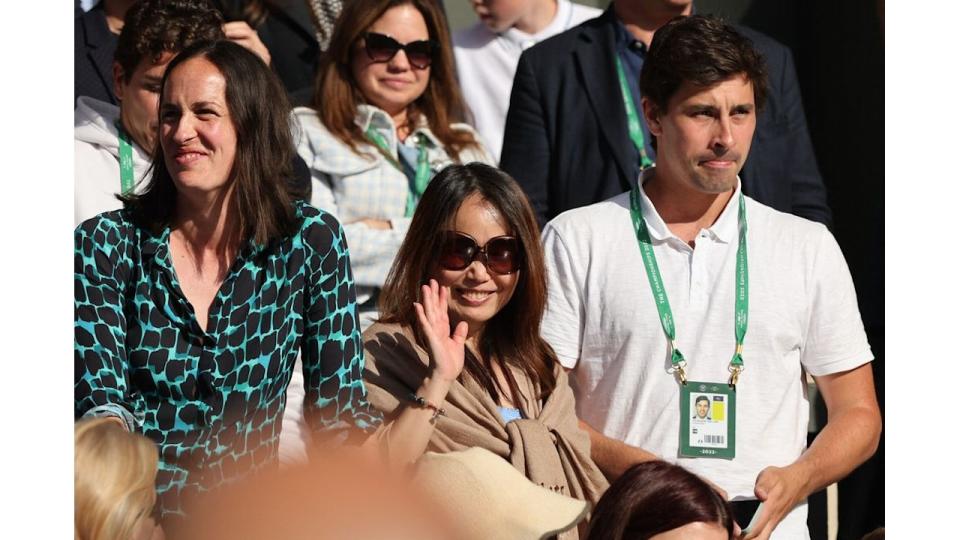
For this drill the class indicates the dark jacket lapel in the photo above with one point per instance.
(596, 67)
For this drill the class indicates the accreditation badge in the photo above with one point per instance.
(708, 416)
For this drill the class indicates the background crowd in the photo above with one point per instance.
(372, 110)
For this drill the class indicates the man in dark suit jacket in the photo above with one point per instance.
(566, 140)
(94, 42)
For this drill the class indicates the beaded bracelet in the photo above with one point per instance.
(423, 403)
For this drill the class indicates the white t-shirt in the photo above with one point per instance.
(486, 63)
(602, 321)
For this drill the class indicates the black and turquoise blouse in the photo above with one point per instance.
(213, 400)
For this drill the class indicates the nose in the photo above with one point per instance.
(184, 130)
(399, 62)
(722, 136)
(477, 271)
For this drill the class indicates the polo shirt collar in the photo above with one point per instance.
(724, 229)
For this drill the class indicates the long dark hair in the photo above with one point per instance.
(336, 96)
(512, 336)
(655, 497)
(262, 171)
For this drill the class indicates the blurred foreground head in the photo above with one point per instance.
(466, 495)
(338, 495)
(114, 475)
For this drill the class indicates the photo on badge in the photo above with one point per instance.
(708, 420)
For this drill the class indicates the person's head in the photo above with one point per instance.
(661, 501)
(702, 84)
(153, 32)
(114, 482)
(703, 406)
(224, 137)
(501, 15)
(499, 291)
(366, 64)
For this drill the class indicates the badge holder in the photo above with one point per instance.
(708, 419)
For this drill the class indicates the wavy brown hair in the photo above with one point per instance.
(263, 200)
(336, 96)
(512, 336)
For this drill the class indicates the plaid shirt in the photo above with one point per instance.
(353, 186)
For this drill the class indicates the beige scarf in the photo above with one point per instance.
(547, 444)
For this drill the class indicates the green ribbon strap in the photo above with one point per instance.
(421, 177)
(126, 160)
(741, 302)
(633, 119)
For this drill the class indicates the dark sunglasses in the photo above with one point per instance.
(500, 254)
(381, 48)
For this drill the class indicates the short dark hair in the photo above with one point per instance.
(655, 497)
(701, 50)
(702, 398)
(512, 336)
(152, 27)
(260, 112)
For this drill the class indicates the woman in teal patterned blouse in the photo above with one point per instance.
(193, 302)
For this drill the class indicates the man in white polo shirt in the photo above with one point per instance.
(686, 288)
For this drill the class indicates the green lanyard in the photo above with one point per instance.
(126, 160)
(741, 298)
(422, 175)
(633, 120)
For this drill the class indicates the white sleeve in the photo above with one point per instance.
(835, 340)
(562, 325)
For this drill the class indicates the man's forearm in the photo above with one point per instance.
(613, 456)
(849, 438)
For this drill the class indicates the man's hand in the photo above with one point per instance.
(240, 33)
(780, 489)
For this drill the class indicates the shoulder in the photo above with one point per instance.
(473, 37)
(567, 41)
(787, 233)
(594, 220)
(323, 151)
(320, 230)
(113, 224)
(94, 121)
(111, 234)
(581, 13)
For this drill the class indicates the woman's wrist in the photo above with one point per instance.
(435, 388)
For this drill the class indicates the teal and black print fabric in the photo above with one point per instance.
(213, 400)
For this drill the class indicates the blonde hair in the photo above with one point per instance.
(114, 480)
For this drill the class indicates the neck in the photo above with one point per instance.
(132, 134)
(400, 120)
(115, 10)
(684, 210)
(642, 19)
(208, 224)
(541, 15)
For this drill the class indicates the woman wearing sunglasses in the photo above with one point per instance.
(384, 119)
(458, 349)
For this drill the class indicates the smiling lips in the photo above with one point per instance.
(188, 156)
(474, 297)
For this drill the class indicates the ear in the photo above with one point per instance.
(118, 80)
(651, 113)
